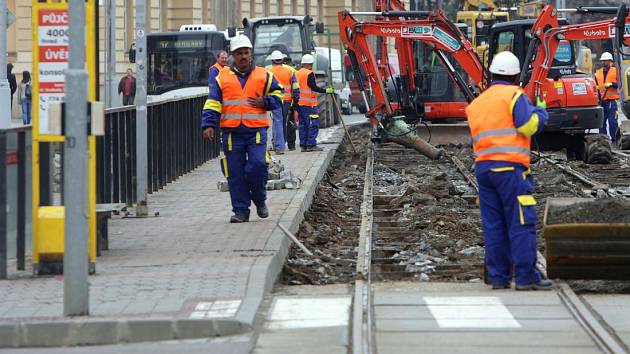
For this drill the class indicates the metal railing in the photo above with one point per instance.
(19, 158)
(175, 147)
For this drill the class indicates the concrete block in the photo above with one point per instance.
(45, 334)
(190, 328)
(229, 328)
(9, 335)
(149, 330)
(94, 333)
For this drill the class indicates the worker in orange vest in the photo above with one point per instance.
(222, 59)
(307, 104)
(238, 102)
(606, 79)
(286, 77)
(502, 120)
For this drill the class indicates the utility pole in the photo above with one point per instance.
(111, 89)
(141, 109)
(5, 90)
(75, 169)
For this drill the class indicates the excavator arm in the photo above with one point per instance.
(547, 34)
(431, 28)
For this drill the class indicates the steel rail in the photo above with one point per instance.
(568, 170)
(362, 323)
(593, 324)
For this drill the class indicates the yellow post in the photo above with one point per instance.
(50, 48)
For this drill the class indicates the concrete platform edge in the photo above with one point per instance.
(267, 269)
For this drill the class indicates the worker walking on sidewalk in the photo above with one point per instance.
(238, 102)
(502, 120)
(286, 77)
(307, 105)
(606, 79)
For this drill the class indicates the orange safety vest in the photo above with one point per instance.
(216, 65)
(283, 75)
(307, 96)
(491, 123)
(609, 93)
(235, 109)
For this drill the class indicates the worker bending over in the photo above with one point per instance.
(238, 102)
(502, 120)
(307, 105)
(606, 79)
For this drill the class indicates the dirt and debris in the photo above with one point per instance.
(599, 211)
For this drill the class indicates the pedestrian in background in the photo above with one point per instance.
(307, 104)
(606, 79)
(502, 120)
(286, 77)
(222, 59)
(12, 81)
(25, 93)
(238, 102)
(127, 86)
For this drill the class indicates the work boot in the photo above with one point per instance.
(315, 148)
(279, 152)
(303, 148)
(235, 219)
(262, 211)
(501, 286)
(543, 284)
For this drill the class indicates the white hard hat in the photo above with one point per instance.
(505, 63)
(307, 59)
(606, 56)
(276, 55)
(240, 42)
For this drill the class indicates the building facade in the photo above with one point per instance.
(168, 15)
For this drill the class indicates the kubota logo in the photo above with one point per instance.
(390, 30)
(595, 33)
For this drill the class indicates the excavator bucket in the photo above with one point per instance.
(587, 238)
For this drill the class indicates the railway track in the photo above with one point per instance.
(386, 233)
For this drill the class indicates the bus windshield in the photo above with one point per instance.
(285, 37)
(178, 60)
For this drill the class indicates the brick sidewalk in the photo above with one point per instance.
(178, 264)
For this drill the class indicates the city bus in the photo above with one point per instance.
(178, 62)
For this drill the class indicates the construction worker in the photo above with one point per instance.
(307, 105)
(606, 79)
(238, 103)
(502, 120)
(286, 77)
(222, 60)
(291, 126)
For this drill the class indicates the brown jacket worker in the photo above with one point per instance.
(606, 79)
(502, 120)
(238, 102)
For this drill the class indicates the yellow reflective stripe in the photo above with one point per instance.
(314, 116)
(218, 82)
(268, 157)
(502, 169)
(526, 200)
(257, 137)
(213, 105)
(520, 214)
(295, 86)
(225, 167)
(230, 141)
(277, 93)
(526, 173)
(530, 128)
(269, 82)
(514, 99)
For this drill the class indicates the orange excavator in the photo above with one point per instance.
(572, 99)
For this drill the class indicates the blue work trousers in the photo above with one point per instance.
(308, 120)
(610, 116)
(245, 166)
(509, 225)
(278, 129)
